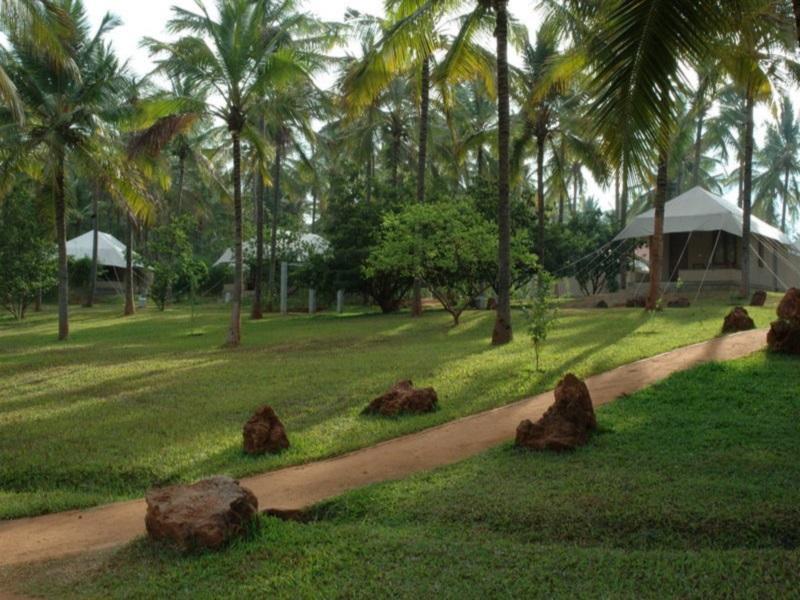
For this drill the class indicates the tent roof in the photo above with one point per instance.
(110, 251)
(700, 210)
(304, 245)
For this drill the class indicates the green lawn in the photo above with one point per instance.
(131, 403)
(688, 490)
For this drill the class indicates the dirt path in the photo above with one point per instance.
(61, 534)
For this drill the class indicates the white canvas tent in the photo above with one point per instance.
(702, 243)
(700, 210)
(301, 246)
(110, 251)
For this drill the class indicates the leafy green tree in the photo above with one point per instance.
(173, 263)
(450, 247)
(27, 263)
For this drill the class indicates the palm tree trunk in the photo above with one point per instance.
(235, 329)
(258, 271)
(273, 242)
(396, 133)
(129, 306)
(503, 332)
(623, 221)
(416, 307)
(796, 6)
(747, 189)
(314, 211)
(95, 241)
(698, 148)
(61, 237)
(540, 197)
(575, 173)
(657, 241)
(181, 173)
(785, 200)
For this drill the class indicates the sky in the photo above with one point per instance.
(148, 18)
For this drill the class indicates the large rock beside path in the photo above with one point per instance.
(784, 334)
(204, 515)
(264, 433)
(566, 425)
(737, 320)
(403, 398)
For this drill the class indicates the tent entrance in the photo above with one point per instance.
(677, 246)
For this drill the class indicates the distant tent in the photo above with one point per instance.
(110, 251)
(301, 247)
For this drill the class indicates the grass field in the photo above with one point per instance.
(131, 403)
(688, 490)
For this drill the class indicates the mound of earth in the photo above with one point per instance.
(679, 303)
(566, 425)
(601, 304)
(759, 298)
(204, 515)
(264, 433)
(737, 320)
(784, 334)
(403, 398)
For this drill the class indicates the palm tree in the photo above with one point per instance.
(779, 164)
(68, 124)
(231, 54)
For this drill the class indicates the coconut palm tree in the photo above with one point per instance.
(778, 163)
(69, 126)
(232, 55)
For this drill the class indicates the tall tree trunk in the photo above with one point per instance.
(785, 206)
(273, 242)
(256, 311)
(396, 141)
(503, 333)
(370, 160)
(540, 197)
(698, 147)
(479, 159)
(314, 211)
(235, 329)
(130, 308)
(561, 207)
(181, 174)
(747, 190)
(623, 221)
(61, 237)
(796, 6)
(416, 307)
(95, 240)
(657, 241)
(575, 174)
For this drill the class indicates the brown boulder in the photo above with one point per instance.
(601, 304)
(784, 334)
(737, 320)
(491, 304)
(264, 433)
(679, 303)
(759, 298)
(204, 515)
(566, 424)
(789, 306)
(403, 397)
(784, 337)
(637, 302)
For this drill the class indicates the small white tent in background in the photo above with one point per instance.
(702, 243)
(111, 255)
(299, 247)
(110, 251)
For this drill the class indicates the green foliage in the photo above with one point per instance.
(175, 270)
(587, 232)
(540, 311)
(27, 257)
(447, 245)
